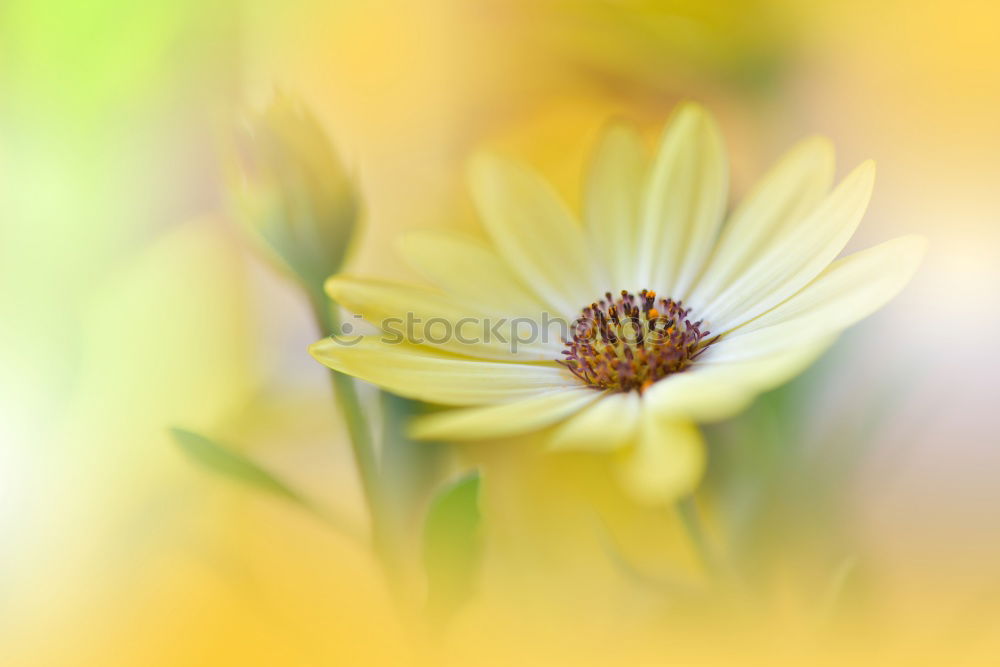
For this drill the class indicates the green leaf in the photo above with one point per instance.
(232, 465)
(409, 472)
(452, 546)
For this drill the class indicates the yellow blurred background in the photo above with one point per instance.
(129, 303)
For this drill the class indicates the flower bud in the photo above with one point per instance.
(292, 190)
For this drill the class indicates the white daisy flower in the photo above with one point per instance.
(679, 313)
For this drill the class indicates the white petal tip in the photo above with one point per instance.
(866, 169)
(652, 490)
(817, 149)
(320, 351)
(912, 249)
(442, 426)
(334, 286)
(483, 166)
(416, 430)
(693, 109)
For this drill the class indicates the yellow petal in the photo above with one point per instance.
(611, 208)
(847, 291)
(438, 377)
(786, 194)
(665, 463)
(535, 233)
(469, 270)
(793, 259)
(710, 391)
(504, 419)
(605, 425)
(684, 202)
(427, 316)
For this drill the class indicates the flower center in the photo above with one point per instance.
(632, 341)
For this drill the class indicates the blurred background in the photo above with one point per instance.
(131, 302)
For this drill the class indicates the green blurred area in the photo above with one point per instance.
(104, 119)
(123, 306)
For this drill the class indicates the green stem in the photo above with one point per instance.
(687, 510)
(362, 445)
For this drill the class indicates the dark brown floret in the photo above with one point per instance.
(630, 342)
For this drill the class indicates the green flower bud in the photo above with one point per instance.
(292, 190)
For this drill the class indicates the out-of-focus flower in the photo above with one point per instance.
(653, 45)
(740, 304)
(293, 191)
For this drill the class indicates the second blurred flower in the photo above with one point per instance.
(292, 189)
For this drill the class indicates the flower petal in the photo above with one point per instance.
(666, 462)
(786, 194)
(436, 377)
(426, 316)
(467, 269)
(849, 290)
(684, 203)
(790, 261)
(710, 391)
(504, 419)
(612, 201)
(535, 233)
(605, 425)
